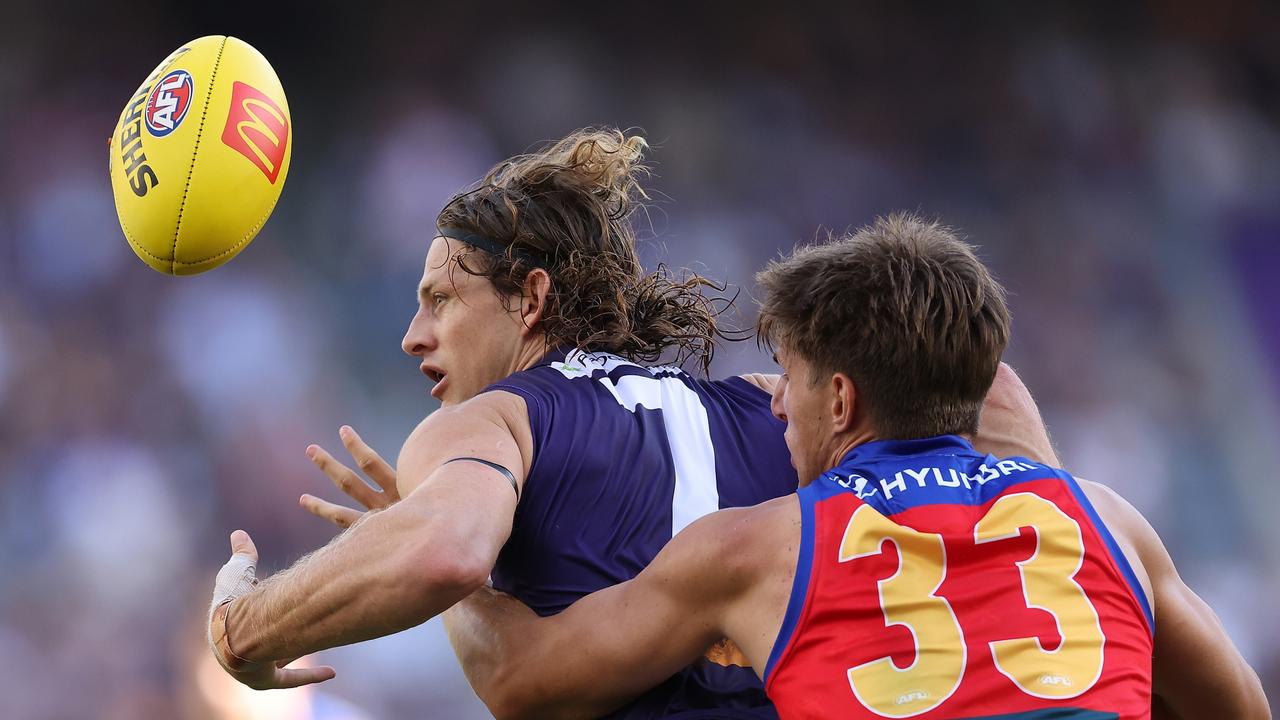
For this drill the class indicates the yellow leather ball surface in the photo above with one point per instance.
(200, 155)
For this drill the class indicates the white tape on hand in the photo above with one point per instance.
(238, 577)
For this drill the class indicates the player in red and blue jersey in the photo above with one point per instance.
(911, 576)
(956, 582)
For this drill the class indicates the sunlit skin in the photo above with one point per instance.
(464, 334)
(824, 420)
(440, 524)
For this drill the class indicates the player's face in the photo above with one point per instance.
(806, 408)
(464, 335)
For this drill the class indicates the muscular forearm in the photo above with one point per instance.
(610, 646)
(484, 630)
(523, 666)
(373, 580)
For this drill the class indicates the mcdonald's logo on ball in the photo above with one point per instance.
(257, 128)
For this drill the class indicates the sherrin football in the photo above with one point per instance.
(200, 155)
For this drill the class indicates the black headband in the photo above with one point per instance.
(490, 245)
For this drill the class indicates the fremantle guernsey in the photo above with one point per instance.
(624, 457)
(937, 582)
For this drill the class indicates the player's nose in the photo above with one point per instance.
(775, 402)
(419, 338)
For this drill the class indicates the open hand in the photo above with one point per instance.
(370, 463)
(235, 580)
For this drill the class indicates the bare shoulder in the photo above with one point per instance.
(1135, 536)
(493, 426)
(730, 538)
(496, 409)
(772, 515)
(495, 406)
(1114, 509)
(744, 526)
(761, 380)
(760, 547)
(505, 409)
(744, 543)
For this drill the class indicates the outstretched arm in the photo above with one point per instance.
(608, 647)
(399, 566)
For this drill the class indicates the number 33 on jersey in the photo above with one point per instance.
(937, 582)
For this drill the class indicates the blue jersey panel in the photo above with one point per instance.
(625, 457)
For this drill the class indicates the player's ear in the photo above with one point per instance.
(533, 297)
(844, 402)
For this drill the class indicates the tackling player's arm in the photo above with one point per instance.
(1011, 425)
(1197, 672)
(763, 381)
(612, 645)
(400, 566)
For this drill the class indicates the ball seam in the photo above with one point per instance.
(248, 236)
(195, 153)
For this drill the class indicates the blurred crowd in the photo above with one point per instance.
(1119, 167)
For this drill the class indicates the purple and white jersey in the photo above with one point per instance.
(626, 456)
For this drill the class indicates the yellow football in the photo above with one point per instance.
(200, 155)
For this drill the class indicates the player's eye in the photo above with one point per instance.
(438, 299)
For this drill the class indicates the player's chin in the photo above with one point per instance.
(448, 392)
(793, 449)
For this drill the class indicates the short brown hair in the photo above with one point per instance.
(906, 310)
(568, 208)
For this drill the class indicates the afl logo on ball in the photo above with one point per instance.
(169, 102)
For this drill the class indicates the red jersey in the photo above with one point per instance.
(937, 582)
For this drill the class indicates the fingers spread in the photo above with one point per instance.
(369, 462)
(341, 516)
(346, 479)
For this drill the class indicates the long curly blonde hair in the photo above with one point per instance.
(568, 208)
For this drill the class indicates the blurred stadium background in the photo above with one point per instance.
(1119, 164)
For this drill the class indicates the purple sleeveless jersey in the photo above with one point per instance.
(624, 458)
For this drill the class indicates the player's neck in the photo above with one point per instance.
(532, 349)
(856, 436)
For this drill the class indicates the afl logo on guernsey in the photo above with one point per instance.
(169, 102)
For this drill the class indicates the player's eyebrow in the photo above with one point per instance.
(424, 291)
